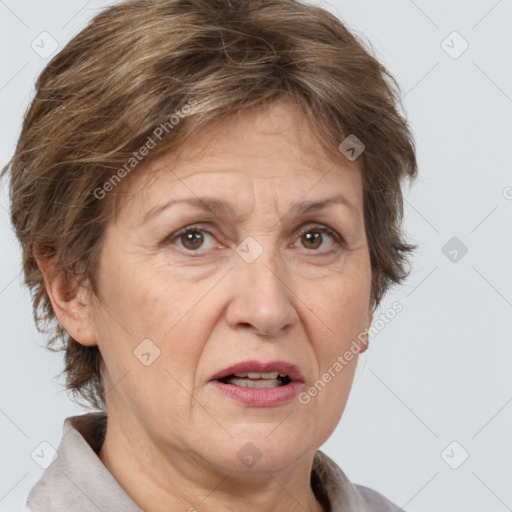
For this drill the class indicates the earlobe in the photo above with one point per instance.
(71, 305)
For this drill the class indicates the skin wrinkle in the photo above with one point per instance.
(171, 437)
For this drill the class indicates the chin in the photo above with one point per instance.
(262, 448)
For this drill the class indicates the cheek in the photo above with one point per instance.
(341, 306)
(151, 340)
(149, 297)
(340, 314)
(153, 302)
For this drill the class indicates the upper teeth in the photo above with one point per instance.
(255, 375)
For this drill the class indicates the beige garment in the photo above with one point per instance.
(78, 481)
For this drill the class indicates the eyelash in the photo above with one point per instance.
(316, 228)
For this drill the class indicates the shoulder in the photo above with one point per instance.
(376, 502)
(335, 489)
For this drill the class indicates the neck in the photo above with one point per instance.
(178, 480)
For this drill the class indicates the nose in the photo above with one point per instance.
(261, 299)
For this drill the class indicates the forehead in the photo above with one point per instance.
(273, 147)
(279, 130)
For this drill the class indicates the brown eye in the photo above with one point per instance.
(313, 237)
(312, 240)
(192, 240)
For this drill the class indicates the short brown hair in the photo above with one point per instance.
(139, 62)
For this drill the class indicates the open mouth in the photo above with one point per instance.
(259, 384)
(256, 380)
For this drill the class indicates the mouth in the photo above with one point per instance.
(258, 374)
(257, 380)
(259, 384)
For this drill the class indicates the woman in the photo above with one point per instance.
(208, 199)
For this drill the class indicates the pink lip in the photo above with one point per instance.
(261, 397)
(265, 397)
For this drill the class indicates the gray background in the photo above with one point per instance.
(436, 374)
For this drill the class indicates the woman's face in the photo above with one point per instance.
(256, 279)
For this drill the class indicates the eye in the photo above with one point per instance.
(313, 236)
(191, 238)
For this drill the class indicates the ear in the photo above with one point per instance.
(366, 343)
(70, 304)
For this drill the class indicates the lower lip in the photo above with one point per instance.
(260, 397)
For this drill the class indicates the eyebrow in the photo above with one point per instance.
(225, 209)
